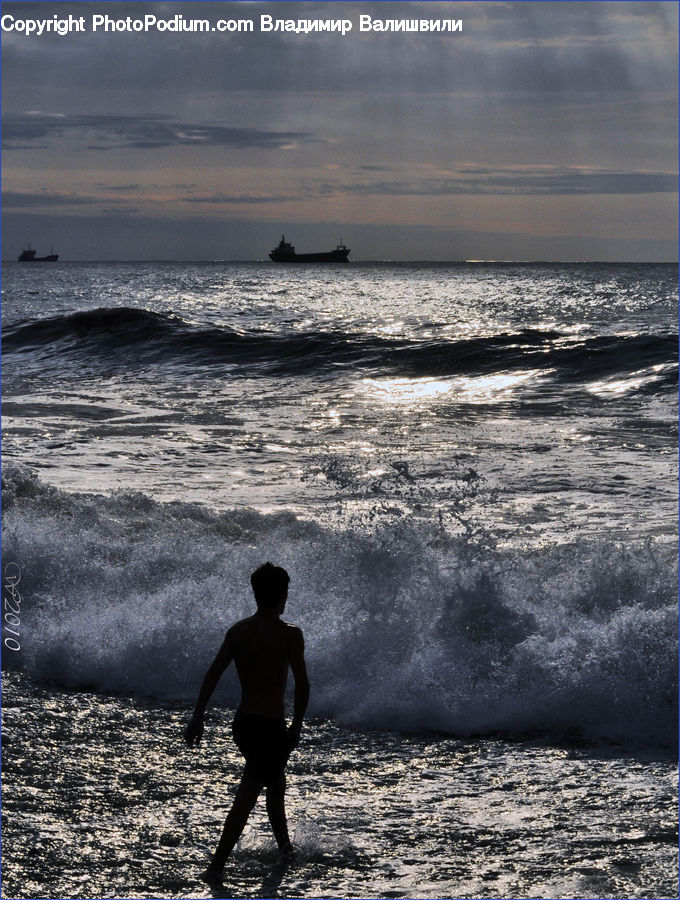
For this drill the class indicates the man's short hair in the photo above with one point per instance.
(269, 583)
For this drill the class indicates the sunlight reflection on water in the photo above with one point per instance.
(418, 391)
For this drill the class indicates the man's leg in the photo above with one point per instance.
(276, 810)
(244, 801)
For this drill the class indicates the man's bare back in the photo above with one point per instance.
(262, 647)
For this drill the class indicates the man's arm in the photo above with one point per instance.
(296, 656)
(194, 730)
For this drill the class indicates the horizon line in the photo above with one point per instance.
(672, 262)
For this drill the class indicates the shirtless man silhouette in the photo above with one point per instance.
(262, 648)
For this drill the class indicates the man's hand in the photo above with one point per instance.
(194, 730)
(293, 737)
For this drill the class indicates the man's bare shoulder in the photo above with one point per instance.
(293, 632)
(242, 633)
(240, 626)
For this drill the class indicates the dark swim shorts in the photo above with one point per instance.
(264, 743)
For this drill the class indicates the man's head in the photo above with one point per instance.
(270, 585)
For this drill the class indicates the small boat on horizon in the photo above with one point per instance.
(29, 256)
(285, 253)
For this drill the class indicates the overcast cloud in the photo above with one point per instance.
(540, 121)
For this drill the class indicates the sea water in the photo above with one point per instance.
(470, 473)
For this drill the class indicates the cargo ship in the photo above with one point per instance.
(285, 253)
(29, 256)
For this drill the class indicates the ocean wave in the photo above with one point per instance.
(127, 338)
(407, 627)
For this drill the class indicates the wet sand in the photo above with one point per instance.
(101, 799)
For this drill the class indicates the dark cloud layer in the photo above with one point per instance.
(43, 199)
(539, 47)
(145, 132)
(476, 181)
(529, 183)
(238, 199)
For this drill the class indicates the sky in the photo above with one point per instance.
(541, 131)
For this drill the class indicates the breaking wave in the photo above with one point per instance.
(407, 627)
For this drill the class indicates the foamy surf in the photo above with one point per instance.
(408, 627)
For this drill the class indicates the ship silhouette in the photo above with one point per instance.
(29, 256)
(285, 253)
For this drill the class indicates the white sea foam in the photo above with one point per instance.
(407, 627)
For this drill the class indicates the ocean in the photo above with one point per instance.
(470, 473)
